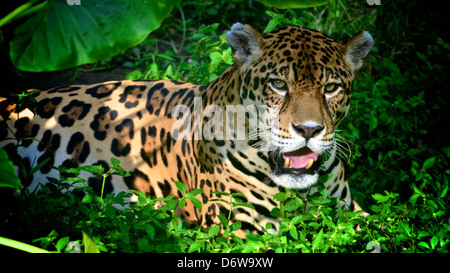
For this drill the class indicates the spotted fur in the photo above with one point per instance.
(303, 72)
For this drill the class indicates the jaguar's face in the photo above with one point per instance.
(306, 78)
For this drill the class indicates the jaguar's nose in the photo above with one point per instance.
(308, 130)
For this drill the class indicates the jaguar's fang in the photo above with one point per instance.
(287, 163)
(310, 163)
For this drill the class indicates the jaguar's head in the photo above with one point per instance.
(306, 77)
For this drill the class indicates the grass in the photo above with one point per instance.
(398, 158)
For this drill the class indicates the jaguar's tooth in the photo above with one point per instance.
(310, 163)
(287, 163)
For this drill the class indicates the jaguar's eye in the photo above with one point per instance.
(279, 85)
(331, 87)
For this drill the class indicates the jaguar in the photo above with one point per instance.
(300, 77)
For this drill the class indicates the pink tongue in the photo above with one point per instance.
(299, 159)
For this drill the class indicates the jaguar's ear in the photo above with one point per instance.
(246, 43)
(357, 48)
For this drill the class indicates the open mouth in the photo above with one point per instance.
(302, 161)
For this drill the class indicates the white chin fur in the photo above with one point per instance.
(292, 181)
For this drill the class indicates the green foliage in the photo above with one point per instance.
(328, 19)
(80, 34)
(210, 56)
(398, 157)
(8, 177)
(313, 224)
(294, 4)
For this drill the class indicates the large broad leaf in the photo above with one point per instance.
(8, 177)
(62, 36)
(294, 4)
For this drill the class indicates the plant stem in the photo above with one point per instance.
(103, 184)
(20, 11)
(231, 208)
(31, 10)
(21, 246)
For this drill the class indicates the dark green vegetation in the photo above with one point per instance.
(394, 139)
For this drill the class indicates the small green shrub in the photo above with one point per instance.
(398, 158)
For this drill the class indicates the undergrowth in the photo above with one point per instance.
(398, 161)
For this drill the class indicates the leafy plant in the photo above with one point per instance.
(59, 35)
(292, 4)
(8, 177)
(398, 169)
(209, 56)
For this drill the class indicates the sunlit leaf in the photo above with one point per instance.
(61, 36)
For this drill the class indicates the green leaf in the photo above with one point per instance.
(221, 193)
(274, 22)
(181, 203)
(434, 241)
(325, 177)
(417, 190)
(196, 246)
(61, 36)
(294, 4)
(216, 58)
(218, 200)
(196, 202)
(61, 244)
(170, 205)
(88, 242)
(150, 230)
(429, 163)
(228, 56)
(176, 222)
(280, 196)
(39, 166)
(239, 202)
(302, 218)
(317, 239)
(169, 72)
(422, 234)
(253, 237)
(73, 171)
(8, 177)
(444, 191)
(236, 226)
(87, 199)
(92, 169)
(223, 220)
(115, 162)
(405, 227)
(294, 233)
(134, 75)
(181, 186)
(213, 231)
(380, 198)
(319, 199)
(120, 171)
(194, 192)
(238, 194)
(144, 245)
(293, 204)
(275, 212)
(423, 244)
